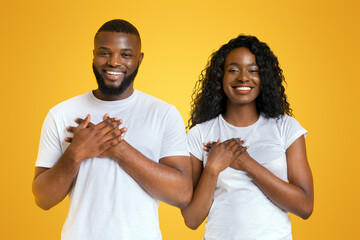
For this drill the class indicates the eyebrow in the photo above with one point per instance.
(124, 49)
(104, 48)
(236, 64)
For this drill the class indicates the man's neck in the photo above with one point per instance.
(127, 93)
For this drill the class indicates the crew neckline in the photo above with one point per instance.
(121, 102)
(247, 127)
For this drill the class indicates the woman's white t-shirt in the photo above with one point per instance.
(240, 210)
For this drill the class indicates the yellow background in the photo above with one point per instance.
(46, 54)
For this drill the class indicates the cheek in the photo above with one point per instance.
(99, 61)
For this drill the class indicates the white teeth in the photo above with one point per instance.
(114, 73)
(243, 88)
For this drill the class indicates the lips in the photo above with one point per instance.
(242, 89)
(114, 75)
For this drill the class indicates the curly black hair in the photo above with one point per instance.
(209, 99)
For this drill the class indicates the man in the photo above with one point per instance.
(114, 176)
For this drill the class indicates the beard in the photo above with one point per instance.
(109, 90)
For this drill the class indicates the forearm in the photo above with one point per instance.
(200, 205)
(51, 186)
(286, 195)
(162, 182)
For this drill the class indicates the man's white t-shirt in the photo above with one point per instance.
(240, 210)
(105, 202)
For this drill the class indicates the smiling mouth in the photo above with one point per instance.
(243, 88)
(114, 73)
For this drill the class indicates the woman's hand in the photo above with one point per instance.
(222, 155)
(240, 162)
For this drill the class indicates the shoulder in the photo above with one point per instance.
(151, 101)
(290, 129)
(204, 127)
(153, 105)
(70, 103)
(287, 121)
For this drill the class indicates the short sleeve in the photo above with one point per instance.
(174, 139)
(49, 147)
(195, 142)
(291, 130)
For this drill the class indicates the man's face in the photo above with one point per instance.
(117, 57)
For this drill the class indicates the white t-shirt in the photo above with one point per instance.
(240, 210)
(105, 202)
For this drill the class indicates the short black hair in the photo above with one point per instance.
(119, 25)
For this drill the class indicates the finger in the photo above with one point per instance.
(68, 139)
(233, 144)
(239, 146)
(85, 123)
(80, 120)
(116, 132)
(113, 142)
(109, 123)
(123, 130)
(111, 127)
(206, 149)
(106, 116)
(70, 129)
(242, 150)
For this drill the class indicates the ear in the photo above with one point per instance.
(141, 57)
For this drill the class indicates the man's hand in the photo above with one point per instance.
(91, 140)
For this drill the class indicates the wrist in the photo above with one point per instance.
(212, 170)
(72, 156)
(250, 165)
(117, 151)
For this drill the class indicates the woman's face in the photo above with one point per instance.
(241, 82)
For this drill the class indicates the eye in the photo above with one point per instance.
(253, 71)
(233, 70)
(102, 53)
(126, 55)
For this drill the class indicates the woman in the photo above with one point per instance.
(246, 189)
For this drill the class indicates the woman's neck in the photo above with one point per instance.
(241, 115)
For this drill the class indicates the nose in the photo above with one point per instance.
(243, 76)
(114, 60)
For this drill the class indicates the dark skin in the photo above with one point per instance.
(51, 185)
(116, 55)
(295, 196)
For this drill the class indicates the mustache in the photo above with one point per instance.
(108, 90)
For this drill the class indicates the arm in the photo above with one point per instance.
(205, 179)
(51, 185)
(295, 196)
(169, 180)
